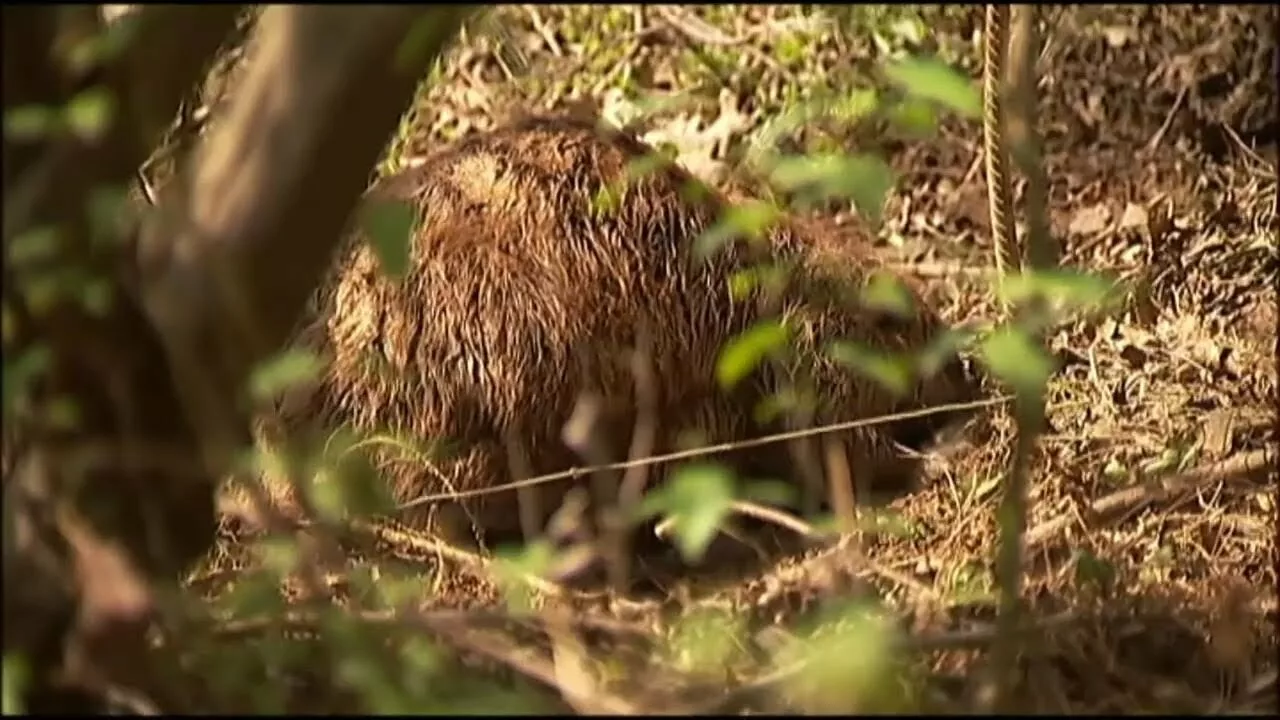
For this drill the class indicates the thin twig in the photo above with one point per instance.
(1239, 467)
(707, 450)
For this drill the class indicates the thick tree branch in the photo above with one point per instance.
(270, 196)
(105, 362)
(272, 190)
(163, 51)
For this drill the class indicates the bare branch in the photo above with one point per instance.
(272, 194)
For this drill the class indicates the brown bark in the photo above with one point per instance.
(228, 260)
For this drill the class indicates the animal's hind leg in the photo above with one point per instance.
(496, 507)
(881, 469)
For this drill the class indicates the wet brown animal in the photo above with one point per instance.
(523, 291)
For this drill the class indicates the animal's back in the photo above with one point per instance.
(537, 259)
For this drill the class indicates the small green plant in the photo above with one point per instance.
(15, 681)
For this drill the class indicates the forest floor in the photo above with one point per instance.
(1151, 575)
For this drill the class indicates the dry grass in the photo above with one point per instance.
(1151, 570)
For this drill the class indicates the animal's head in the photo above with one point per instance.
(877, 335)
(926, 353)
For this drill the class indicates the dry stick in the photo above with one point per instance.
(573, 676)
(1240, 467)
(764, 513)
(584, 433)
(840, 484)
(708, 450)
(504, 652)
(459, 629)
(645, 435)
(415, 545)
(527, 497)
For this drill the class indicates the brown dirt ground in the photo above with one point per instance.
(1160, 131)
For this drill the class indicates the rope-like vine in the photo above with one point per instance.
(995, 149)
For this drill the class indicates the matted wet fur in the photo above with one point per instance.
(523, 291)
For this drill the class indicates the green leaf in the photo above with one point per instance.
(854, 106)
(934, 80)
(15, 683)
(771, 276)
(695, 191)
(328, 494)
(886, 293)
(1012, 357)
(34, 245)
(1092, 570)
(705, 639)
(254, 594)
(889, 523)
(891, 372)
(105, 206)
(27, 123)
(61, 413)
(1064, 288)
(743, 282)
(424, 34)
(346, 467)
(287, 369)
(916, 116)
(851, 664)
(770, 492)
(21, 371)
(697, 498)
(103, 46)
(649, 163)
(941, 350)
(90, 113)
(866, 179)
(608, 199)
(279, 555)
(43, 290)
(96, 295)
(791, 48)
(8, 324)
(781, 402)
(743, 354)
(751, 219)
(389, 227)
(513, 566)
(846, 109)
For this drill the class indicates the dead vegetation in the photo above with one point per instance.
(1151, 568)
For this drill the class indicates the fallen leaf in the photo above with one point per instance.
(1134, 216)
(1216, 432)
(1090, 220)
(1118, 36)
(1135, 356)
(618, 110)
(700, 146)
